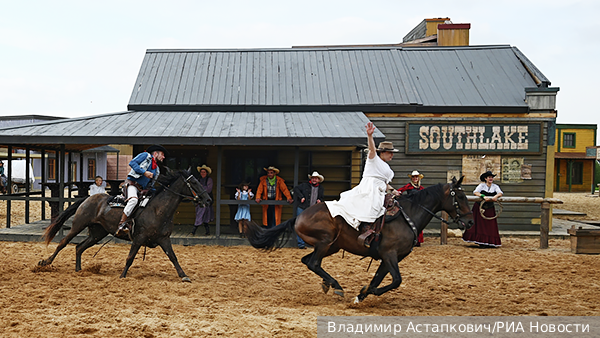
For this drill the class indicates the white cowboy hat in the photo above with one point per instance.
(316, 174)
(272, 168)
(416, 173)
(205, 167)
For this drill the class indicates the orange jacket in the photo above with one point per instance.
(280, 188)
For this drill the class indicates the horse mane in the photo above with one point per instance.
(167, 177)
(421, 196)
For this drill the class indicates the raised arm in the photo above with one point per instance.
(371, 143)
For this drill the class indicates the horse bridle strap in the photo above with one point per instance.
(410, 223)
(194, 196)
(456, 207)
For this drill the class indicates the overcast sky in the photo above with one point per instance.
(80, 58)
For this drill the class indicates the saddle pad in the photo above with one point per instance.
(116, 201)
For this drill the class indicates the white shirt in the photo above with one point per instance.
(484, 187)
(94, 189)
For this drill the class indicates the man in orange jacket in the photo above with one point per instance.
(272, 187)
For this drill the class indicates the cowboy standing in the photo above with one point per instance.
(308, 194)
(143, 174)
(272, 187)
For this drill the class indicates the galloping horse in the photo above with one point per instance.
(328, 235)
(153, 223)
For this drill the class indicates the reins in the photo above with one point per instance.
(194, 196)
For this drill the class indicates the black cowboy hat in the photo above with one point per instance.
(157, 147)
(486, 175)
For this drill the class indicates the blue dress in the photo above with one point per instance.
(243, 211)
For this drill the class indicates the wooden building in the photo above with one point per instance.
(452, 110)
(574, 166)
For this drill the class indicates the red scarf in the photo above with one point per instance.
(153, 163)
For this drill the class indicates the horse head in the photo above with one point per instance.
(457, 205)
(192, 189)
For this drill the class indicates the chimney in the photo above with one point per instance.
(453, 34)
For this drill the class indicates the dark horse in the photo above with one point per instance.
(328, 235)
(153, 224)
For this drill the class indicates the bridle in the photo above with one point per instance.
(195, 197)
(459, 215)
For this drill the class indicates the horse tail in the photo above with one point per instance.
(268, 239)
(52, 230)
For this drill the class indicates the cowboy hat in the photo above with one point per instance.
(316, 174)
(486, 175)
(387, 146)
(157, 147)
(416, 173)
(208, 170)
(272, 168)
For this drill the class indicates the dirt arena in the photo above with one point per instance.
(243, 292)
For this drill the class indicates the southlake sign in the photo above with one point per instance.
(472, 137)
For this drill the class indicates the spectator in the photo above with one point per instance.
(204, 215)
(243, 193)
(272, 188)
(413, 186)
(485, 230)
(306, 195)
(97, 187)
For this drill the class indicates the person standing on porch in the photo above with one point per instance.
(308, 194)
(272, 188)
(204, 215)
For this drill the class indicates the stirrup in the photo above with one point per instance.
(363, 238)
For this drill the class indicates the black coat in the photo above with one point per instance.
(304, 190)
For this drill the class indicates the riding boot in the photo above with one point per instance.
(123, 226)
(207, 227)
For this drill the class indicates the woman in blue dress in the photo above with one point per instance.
(243, 193)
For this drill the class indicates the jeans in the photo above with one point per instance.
(301, 243)
(271, 220)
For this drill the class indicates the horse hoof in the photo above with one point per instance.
(339, 292)
(325, 287)
(186, 279)
(356, 300)
(42, 263)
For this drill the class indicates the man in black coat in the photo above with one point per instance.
(308, 194)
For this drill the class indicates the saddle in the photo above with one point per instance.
(372, 231)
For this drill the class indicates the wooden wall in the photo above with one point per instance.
(435, 168)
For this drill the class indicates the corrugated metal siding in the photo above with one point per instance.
(435, 168)
(207, 128)
(457, 76)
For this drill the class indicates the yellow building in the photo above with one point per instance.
(573, 168)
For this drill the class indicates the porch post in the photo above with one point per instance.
(61, 178)
(296, 170)
(218, 211)
(43, 187)
(9, 184)
(27, 180)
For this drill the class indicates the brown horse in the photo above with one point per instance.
(153, 223)
(328, 235)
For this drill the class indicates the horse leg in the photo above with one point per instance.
(313, 262)
(388, 264)
(96, 234)
(165, 244)
(76, 228)
(135, 247)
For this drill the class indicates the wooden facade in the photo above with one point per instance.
(573, 167)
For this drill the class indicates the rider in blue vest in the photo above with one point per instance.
(143, 174)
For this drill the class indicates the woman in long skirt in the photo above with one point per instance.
(485, 231)
(204, 215)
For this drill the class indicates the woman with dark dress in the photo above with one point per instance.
(485, 231)
(204, 215)
(413, 186)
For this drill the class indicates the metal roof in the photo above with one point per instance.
(196, 128)
(335, 79)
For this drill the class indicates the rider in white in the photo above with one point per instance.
(364, 203)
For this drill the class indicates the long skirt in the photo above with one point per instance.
(484, 231)
(204, 215)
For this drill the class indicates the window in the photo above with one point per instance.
(577, 173)
(569, 140)
(91, 172)
(51, 168)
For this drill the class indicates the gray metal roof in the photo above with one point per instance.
(196, 128)
(334, 79)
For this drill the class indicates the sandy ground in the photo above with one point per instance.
(243, 292)
(580, 202)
